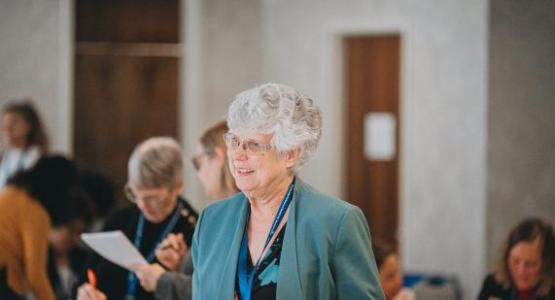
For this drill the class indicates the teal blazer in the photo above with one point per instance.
(326, 252)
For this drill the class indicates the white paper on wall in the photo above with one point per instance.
(379, 136)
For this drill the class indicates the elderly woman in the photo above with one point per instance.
(279, 238)
(155, 180)
(527, 268)
(217, 182)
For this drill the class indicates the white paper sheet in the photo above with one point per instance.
(115, 247)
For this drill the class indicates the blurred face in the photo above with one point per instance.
(61, 239)
(525, 264)
(156, 204)
(209, 168)
(255, 165)
(14, 130)
(391, 276)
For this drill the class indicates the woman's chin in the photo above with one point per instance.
(152, 218)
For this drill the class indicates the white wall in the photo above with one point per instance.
(521, 149)
(443, 111)
(222, 58)
(35, 61)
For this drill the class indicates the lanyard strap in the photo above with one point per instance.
(132, 279)
(246, 279)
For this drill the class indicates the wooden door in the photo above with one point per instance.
(126, 88)
(372, 87)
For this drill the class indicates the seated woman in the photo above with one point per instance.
(31, 202)
(527, 268)
(391, 275)
(280, 238)
(155, 180)
(216, 180)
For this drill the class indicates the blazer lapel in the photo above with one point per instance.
(289, 284)
(227, 280)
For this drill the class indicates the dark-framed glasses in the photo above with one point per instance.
(196, 160)
(156, 197)
(233, 142)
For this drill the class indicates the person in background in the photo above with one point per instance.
(92, 199)
(31, 202)
(23, 137)
(279, 238)
(155, 181)
(66, 258)
(216, 180)
(527, 268)
(97, 193)
(391, 274)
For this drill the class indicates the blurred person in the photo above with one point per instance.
(527, 268)
(391, 274)
(155, 181)
(31, 202)
(97, 194)
(23, 138)
(218, 183)
(67, 256)
(279, 238)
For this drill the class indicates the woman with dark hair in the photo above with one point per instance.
(30, 204)
(527, 268)
(23, 138)
(390, 272)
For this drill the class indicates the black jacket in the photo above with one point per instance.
(112, 279)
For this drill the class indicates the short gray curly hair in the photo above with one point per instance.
(156, 162)
(293, 119)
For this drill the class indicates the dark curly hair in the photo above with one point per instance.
(49, 182)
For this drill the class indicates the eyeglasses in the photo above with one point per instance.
(130, 195)
(196, 160)
(250, 146)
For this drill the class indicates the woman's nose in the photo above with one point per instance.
(239, 152)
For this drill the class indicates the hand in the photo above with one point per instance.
(171, 251)
(88, 292)
(148, 275)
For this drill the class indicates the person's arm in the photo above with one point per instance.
(353, 263)
(35, 231)
(195, 255)
(174, 286)
(89, 292)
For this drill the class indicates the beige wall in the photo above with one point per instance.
(521, 125)
(222, 57)
(35, 61)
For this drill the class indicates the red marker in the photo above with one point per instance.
(92, 277)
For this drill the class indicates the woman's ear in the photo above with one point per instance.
(219, 152)
(179, 185)
(292, 157)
